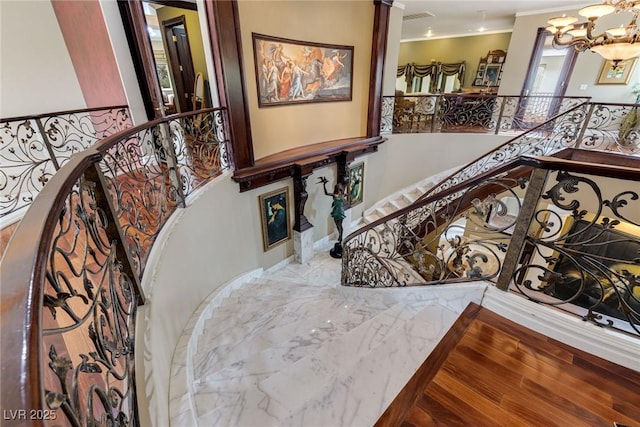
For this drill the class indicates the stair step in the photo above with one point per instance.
(287, 345)
(359, 399)
(298, 387)
(222, 336)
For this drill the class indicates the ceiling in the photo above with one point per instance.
(455, 18)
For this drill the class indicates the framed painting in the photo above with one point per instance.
(492, 74)
(163, 74)
(616, 75)
(274, 217)
(296, 72)
(356, 184)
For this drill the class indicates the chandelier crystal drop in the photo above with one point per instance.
(614, 44)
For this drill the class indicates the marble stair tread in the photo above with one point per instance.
(293, 385)
(285, 346)
(359, 394)
(240, 307)
(231, 330)
(290, 390)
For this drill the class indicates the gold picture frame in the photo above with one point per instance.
(355, 193)
(620, 75)
(274, 217)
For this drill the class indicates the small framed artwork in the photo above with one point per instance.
(477, 82)
(274, 217)
(356, 184)
(492, 74)
(163, 74)
(616, 75)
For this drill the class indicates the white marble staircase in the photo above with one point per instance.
(400, 199)
(294, 348)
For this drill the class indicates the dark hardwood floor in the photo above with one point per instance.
(489, 371)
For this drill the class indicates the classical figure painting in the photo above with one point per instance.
(356, 184)
(274, 216)
(294, 72)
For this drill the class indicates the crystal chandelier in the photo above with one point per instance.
(614, 44)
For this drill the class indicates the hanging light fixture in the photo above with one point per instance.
(614, 44)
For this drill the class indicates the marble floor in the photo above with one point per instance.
(294, 348)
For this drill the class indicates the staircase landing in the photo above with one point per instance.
(294, 348)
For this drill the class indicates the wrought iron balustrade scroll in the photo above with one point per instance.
(81, 250)
(33, 148)
(470, 113)
(419, 244)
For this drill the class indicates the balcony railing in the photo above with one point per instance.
(33, 148)
(71, 285)
(464, 228)
(471, 113)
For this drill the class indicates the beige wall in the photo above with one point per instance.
(468, 49)
(348, 23)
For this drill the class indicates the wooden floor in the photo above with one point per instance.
(489, 371)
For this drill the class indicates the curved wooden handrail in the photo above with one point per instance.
(544, 162)
(21, 299)
(23, 269)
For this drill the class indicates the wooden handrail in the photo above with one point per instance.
(22, 293)
(24, 270)
(545, 162)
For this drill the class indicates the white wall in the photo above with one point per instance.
(586, 69)
(393, 50)
(406, 159)
(36, 74)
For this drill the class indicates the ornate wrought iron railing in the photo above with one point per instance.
(71, 273)
(577, 243)
(461, 229)
(33, 148)
(473, 113)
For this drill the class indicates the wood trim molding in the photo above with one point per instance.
(224, 34)
(378, 52)
(141, 53)
(283, 165)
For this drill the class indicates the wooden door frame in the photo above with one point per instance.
(172, 52)
(536, 54)
(135, 27)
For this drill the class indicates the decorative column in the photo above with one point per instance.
(378, 52)
(342, 164)
(224, 34)
(302, 228)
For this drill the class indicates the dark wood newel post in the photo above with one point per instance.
(378, 52)
(300, 175)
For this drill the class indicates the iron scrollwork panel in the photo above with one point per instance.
(613, 128)
(583, 251)
(461, 237)
(26, 165)
(140, 183)
(200, 146)
(70, 133)
(88, 319)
